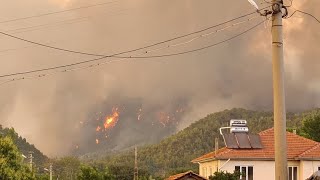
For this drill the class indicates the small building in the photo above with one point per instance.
(258, 163)
(186, 176)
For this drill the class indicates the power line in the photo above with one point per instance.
(58, 23)
(198, 37)
(84, 18)
(57, 12)
(47, 46)
(194, 50)
(118, 60)
(291, 3)
(302, 12)
(96, 59)
(41, 26)
(14, 31)
(64, 22)
(103, 55)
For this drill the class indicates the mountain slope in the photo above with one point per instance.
(174, 153)
(25, 147)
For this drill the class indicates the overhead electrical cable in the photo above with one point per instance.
(41, 26)
(103, 55)
(305, 13)
(194, 50)
(58, 12)
(172, 45)
(116, 55)
(125, 58)
(59, 23)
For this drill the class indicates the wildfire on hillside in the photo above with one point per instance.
(106, 125)
(108, 122)
(169, 118)
(111, 121)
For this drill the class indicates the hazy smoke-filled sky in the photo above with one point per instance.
(236, 74)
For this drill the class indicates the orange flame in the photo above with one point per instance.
(98, 128)
(97, 141)
(111, 121)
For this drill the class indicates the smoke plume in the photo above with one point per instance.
(58, 112)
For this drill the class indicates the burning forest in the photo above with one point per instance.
(121, 126)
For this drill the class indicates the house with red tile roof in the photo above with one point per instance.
(258, 163)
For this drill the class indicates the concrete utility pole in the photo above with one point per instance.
(216, 145)
(281, 171)
(31, 160)
(135, 164)
(50, 171)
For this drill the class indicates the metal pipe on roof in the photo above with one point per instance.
(222, 134)
(224, 164)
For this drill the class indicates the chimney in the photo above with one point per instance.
(294, 131)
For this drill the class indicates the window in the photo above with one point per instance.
(318, 168)
(245, 171)
(210, 171)
(293, 173)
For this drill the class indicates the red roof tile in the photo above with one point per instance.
(312, 153)
(298, 148)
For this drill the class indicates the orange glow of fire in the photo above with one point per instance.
(97, 141)
(98, 128)
(111, 121)
(139, 114)
(164, 118)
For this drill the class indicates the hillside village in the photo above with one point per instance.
(193, 150)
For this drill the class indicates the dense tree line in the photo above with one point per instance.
(24, 147)
(11, 162)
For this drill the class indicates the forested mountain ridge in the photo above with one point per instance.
(24, 147)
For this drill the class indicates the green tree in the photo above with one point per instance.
(11, 162)
(89, 172)
(107, 175)
(24, 147)
(66, 168)
(221, 175)
(311, 126)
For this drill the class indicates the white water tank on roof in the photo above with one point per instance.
(238, 123)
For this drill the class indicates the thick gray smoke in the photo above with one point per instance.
(47, 111)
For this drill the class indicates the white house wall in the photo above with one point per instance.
(207, 169)
(308, 168)
(262, 170)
